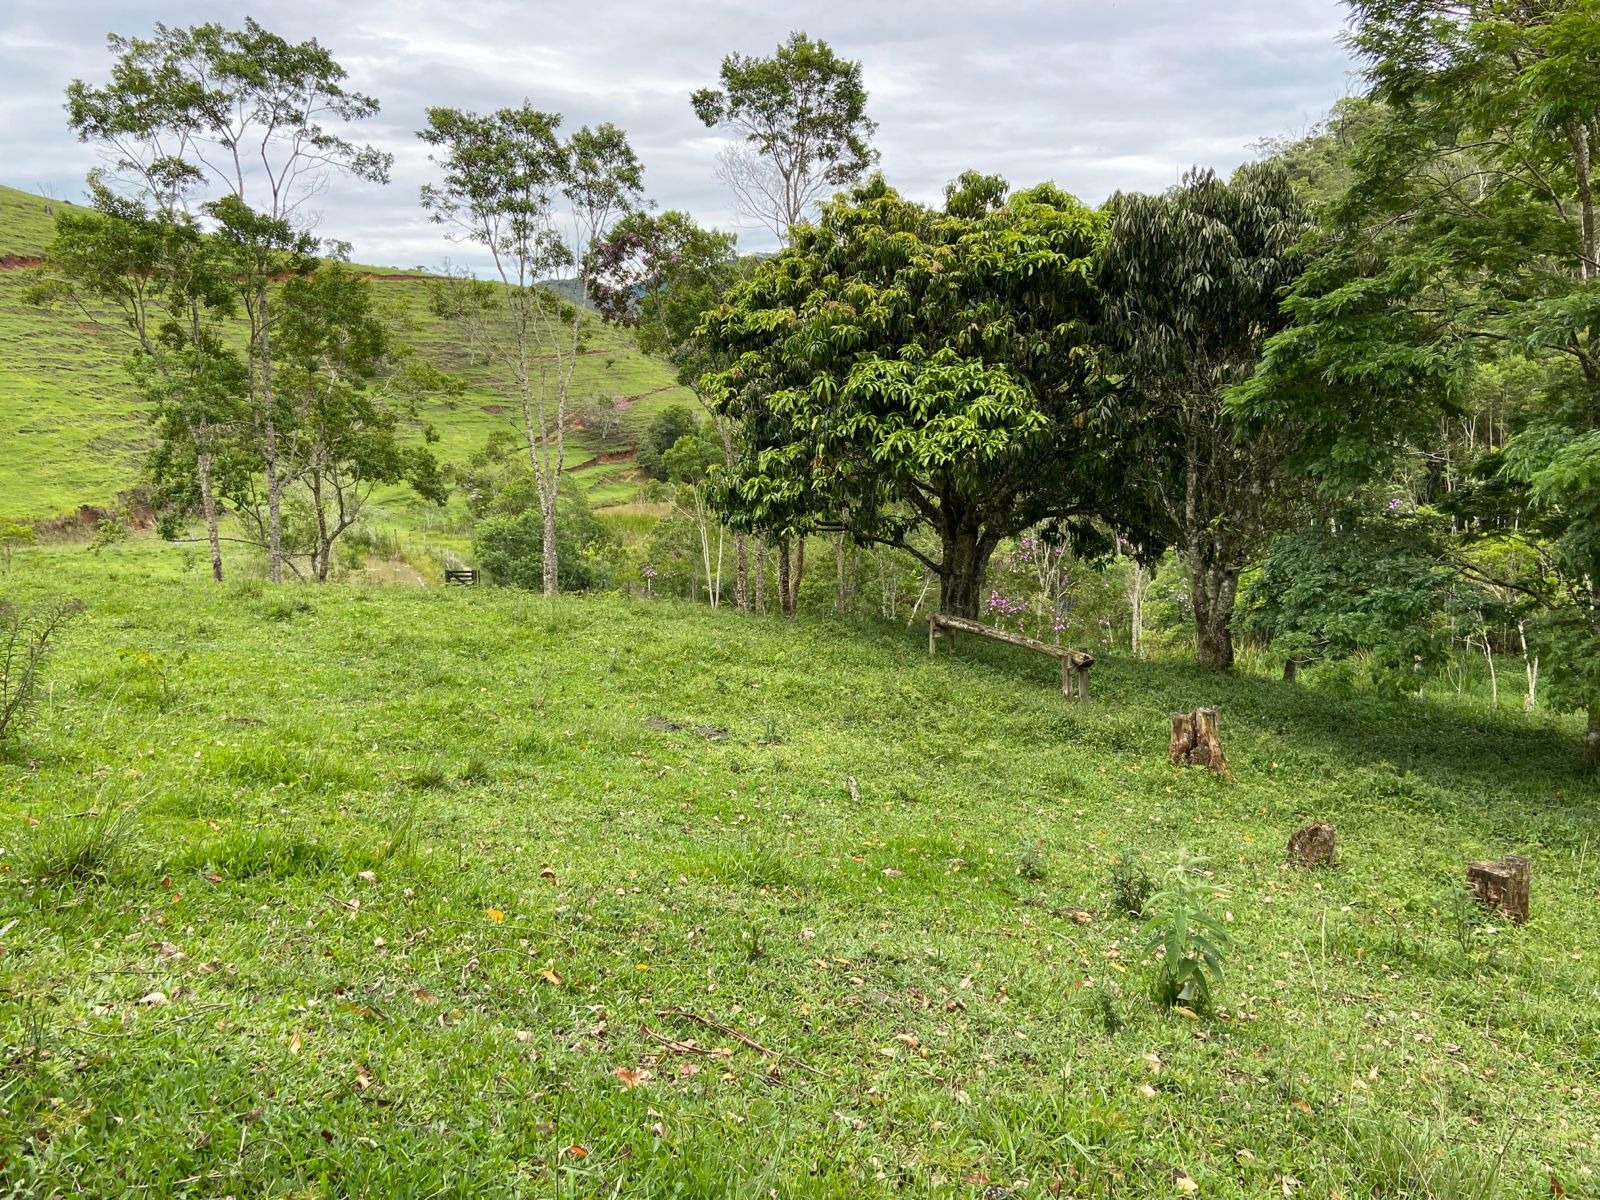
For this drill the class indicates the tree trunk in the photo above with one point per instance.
(963, 566)
(741, 571)
(1136, 590)
(838, 571)
(1212, 592)
(760, 596)
(783, 577)
(796, 573)
(1291, 669)
(547, 510)
(269, 447)
(1591, 740)
(208, 507)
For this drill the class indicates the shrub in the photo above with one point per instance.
(1189, 939)
(1029, 856)
(1131, 884)
(108, 532)
(26, 634)
(510, 549)
(663, 432)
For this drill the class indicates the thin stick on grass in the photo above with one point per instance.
(736, 1035)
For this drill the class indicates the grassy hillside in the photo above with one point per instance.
(71, 432)
(408, 892)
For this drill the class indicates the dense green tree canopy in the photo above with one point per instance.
(904, 366)
(1192, 281)
(1467, 236)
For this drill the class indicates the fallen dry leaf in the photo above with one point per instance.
(575, 1151)
(629, 1077)
(494, 914)
(424, 995)
(367, 876)
(907, 1039)
(154, 998)
(1181, 1180)
(552, 978)
(1153, 1061)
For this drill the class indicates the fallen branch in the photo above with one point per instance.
(684, 1047)
(742, 1038)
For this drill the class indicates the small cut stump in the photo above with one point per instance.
(1502, 886)
(1314, 846)
(1197, 740)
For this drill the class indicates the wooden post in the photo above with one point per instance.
(933, 634)
(1502, 885)
(1067, 688)
(1197, 740)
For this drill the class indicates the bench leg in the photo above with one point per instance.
(1066, 679)
(1083, 684)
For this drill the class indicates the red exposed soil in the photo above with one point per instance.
(19, 262)
(611, 456)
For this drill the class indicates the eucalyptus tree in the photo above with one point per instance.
(801, 120)
(244, 127)
(1468, 235)
(903, 367)
(1192, 280)
(535, 202)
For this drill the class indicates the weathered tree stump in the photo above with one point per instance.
(1502, 886)
(1197, 742)
(1314, 846)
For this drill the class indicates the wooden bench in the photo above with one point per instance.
(1075, 664)
(466, 576)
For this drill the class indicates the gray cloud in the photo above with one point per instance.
(1096, 96)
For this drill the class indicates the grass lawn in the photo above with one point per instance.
(404, 892)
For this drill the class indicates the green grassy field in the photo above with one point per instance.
(71, 432)
(404, 892)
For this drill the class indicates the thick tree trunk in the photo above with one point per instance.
(1212, 592)
(783, 577)
(1291, 669)
(963, 566)
(741, 571)
(547, 510)
(208, 507)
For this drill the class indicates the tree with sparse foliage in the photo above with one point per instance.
(535, 202)
(245, 126)
(352, 395)
(801, 120)
(170, 291)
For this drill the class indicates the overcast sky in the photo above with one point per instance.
(1096, 95)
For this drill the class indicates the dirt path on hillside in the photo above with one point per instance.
(19, 262)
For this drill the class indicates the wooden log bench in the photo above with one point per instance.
(1075, 664)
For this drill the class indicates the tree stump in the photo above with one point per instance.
(1197, 742)
(1502, 886)
(1314, 846)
